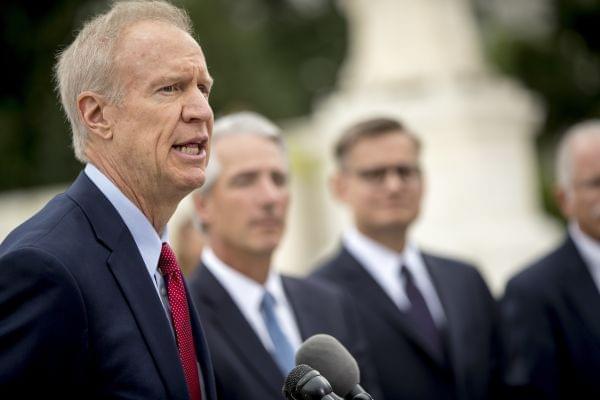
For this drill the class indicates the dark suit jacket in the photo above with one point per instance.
(406, 368)
(79, 313)
(244, 369)
(551, 315)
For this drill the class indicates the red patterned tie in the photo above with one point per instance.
(180, 315)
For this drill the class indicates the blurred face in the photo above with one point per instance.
(246, 209)
(162, 127)
(581, 201)
(381, 183)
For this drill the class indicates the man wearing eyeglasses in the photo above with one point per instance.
(551, 310)
(430, 321)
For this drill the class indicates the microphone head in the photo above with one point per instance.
(327, 355)
(305, 383)
(289, 386)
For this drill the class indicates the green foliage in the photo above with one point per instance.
(265, 55)
(562, 66)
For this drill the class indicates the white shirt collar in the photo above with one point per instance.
(247, 294)
(589, 250)
(383, 264)
(144, 235)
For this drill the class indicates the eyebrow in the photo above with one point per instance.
(174, 77)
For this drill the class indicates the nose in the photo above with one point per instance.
(393, 181)
(196, 107)
(270, 193)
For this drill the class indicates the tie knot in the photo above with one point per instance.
(167, 261)
(405, 273)
(267, 302)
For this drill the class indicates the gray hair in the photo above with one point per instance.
(241, 123)
(564, 158)
(88, 62)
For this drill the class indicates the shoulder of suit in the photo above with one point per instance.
(45, 228)
(449, 262)
(547, 271)
(311, 285)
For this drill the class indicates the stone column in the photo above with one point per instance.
(420, 61)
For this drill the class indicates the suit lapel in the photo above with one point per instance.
(129, 271)
(203, 354)
(443, 279)
(307, 312)
(580, 289)
(375, 299)
(224, 314)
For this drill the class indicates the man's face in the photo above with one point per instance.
(381, 183)
(162, 126)
(246, 208)
(581, 202)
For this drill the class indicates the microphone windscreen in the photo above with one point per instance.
(294, 377)
(328, 356)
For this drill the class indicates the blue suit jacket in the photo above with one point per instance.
(551, 314)
(244, 369)
(79, 313)
(405, 365)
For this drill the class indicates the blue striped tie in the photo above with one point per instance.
(283, 351)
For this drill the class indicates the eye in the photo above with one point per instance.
(205, 89)
(242, 180)
(169, 88)
(279, 178)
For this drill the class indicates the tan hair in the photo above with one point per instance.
(365, 129)
(88, 62)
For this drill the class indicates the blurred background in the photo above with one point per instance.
(488, 84)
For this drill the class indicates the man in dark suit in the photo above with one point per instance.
(551, 309)
(92, 301)
(255, 318)
(431, 325)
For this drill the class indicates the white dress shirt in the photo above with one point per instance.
(247, 294)
(384, 264)
(146, 238)
(589, 250)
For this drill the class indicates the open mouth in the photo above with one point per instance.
(193, 148)
(189, 148)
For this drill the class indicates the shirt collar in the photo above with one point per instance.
(144, 235)
(589, 250)
(370, 253)
(246, 292)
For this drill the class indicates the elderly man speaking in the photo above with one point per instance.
(92, 301)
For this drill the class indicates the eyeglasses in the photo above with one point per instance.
(377, 176)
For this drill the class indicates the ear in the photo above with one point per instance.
(202, 205)
(338, 185)
(563, 199)
(92, 110)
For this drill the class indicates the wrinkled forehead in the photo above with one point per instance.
(249, 151)
(150, 45)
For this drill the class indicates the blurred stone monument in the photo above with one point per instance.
(421, 61)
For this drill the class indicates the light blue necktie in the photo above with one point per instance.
(283, 351)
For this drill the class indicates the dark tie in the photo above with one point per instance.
(283, 351)
(180, 316)
(420, 315)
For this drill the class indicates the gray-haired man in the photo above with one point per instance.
(92, 301)
(255, 318)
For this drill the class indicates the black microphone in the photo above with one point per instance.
(305, 383)
(330, 357)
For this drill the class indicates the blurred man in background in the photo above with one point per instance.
(255, 318)
(430, 321)
(551, 309)
(92, 301)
